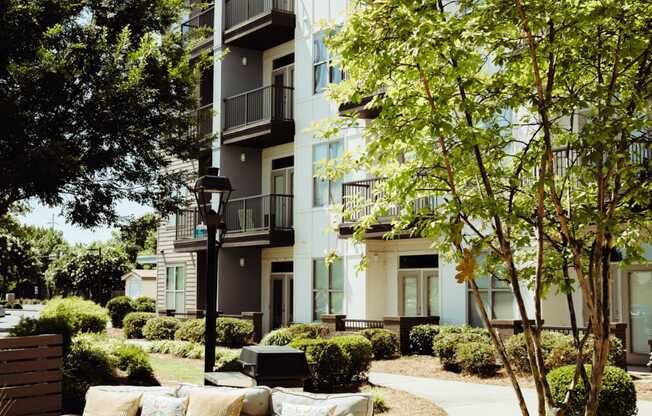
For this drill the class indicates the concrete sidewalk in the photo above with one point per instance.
(469, 399)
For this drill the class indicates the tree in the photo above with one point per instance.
(94, 101)
(19, 265)
(514, 135)
(92, 272)
(138, 236)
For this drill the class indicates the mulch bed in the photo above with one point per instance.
(401, 403)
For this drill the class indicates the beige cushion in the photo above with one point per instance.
(209, 402)
(107, 403)
(256, 399)
(163, 406)
(358, 404)
(290, 409)
(156, 391)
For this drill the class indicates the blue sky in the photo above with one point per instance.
(41, 215)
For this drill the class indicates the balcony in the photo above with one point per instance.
(203, 127)
(258, 24)
(358, 197)
(204, 20)
(350, 108)
(259, 118)
(255, 221)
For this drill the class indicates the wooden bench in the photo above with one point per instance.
(31, 374)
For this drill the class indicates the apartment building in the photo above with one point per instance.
(260, 101)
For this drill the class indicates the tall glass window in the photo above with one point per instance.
(175, 288)
(497, 297)
(324, 72)
(327, 288)
(324, 191)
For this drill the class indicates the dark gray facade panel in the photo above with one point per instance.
(245, 176)
(239, 287)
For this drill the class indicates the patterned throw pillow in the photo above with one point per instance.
(290, 409)
(163, 406)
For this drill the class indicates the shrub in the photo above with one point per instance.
(182, 349)
(84, 366)
(558, 350)
(134, 322)
(161, 327)
(476, 358)
(82, 315)
(281, 336)
(380, 406)
(421, 337)
(14, 305)
(135, 362)
(118, 308)
(227, 361)
(327, 362)
(384, 342)
(446, 342)
(312, 331)
(41, 326)
(359, 353)
(617, 397)
(144, 304)
(230, 332)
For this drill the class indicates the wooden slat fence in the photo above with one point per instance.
(31, 374)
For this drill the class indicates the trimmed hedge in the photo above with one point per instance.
(284, 336)
(229, 332)
(558, 350)
(134, 322)
(118, 308)
(42, 326)
(161, 327)
(359, 352)
(144, 304)
(445, 344)
(617, 396)
(327, 360)
(476, 358)
(421, 338)
(384, 342)
(82, 315)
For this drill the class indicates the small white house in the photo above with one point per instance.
(140, 282)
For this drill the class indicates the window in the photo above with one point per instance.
(134, 287)
(324, 72)
(419, 285)
(174, 288)
(327, 288)
(497, 297)
(324, 191)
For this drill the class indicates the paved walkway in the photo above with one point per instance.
(468, 399)
(12, 317)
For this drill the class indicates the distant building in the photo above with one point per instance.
(140, 283)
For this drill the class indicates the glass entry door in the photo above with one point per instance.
(419, 292)
(640, 310)
(281, 298)
(282, 185)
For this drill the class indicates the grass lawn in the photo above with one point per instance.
(171, 370)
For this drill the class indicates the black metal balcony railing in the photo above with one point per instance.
(239, 11)
(640, 154)
(358, 198)
(203, 126)
(273, 103)
(202, 20)
(259, 213)
(250, 214)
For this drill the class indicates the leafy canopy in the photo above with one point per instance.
(94, 100)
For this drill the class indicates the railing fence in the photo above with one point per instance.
(239, 11)
(266, 103)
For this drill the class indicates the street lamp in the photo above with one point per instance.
(212, 193)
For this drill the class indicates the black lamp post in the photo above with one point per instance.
(212, 193)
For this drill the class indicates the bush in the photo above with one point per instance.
(134, 322)
(41, 326)
(617, 397)
(229, 332)
(118, 308)
(380, 406)
(359, 353)
(384, 342)
(327, 362)
(227, 361)
(558, 350)
(82, 315)
(13, 305)
(161, 327)
(144, 304)
(421, 337)
(182, 349)
(85, 365)
(311, 331)
(281, 336)
(135, 362)
(446, 342)
(476, 358)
